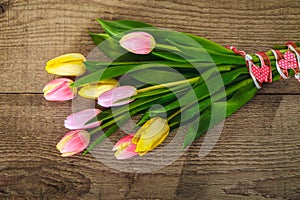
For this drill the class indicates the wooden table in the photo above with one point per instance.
(256, 157)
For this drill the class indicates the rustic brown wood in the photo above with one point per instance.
(34, 32)
(256, 156)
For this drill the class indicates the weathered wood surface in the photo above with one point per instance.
(256, 156)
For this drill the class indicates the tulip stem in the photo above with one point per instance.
(107, 124)
(191, 80)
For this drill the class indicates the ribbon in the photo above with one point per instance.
(249, 63)
(278, 56)
(266, 69)
(293, 47)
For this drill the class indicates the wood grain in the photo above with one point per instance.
(257, 160)
(34, 32)
(256, 156)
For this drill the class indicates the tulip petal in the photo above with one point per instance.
(67, 65)
(67, 69)
(70, 57)
(138, 42)
(114, 97)
(150, 135)
(124, 148)
(64, 140)
(79, 119)
(126, 153)
(94, 91)
(125, 139)
(73, 142)
(59, 90)
(77, 143)
(68, 154)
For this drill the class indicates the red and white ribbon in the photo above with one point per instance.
(277, 65)
(293, 47)
(264, 73)
(249, 63)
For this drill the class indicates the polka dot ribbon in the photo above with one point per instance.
(258, 74)
(283, 64)
(288, 61)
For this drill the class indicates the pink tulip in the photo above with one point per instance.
(138, 42)
(114, 97)
(79, 119)
(73, 143)
(125, 148)
(59, 90)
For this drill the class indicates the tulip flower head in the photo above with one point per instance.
(79, 119)
(125, 148)
(93, 91)
(67, 65)
(150, 135)
(59, 90)
(117, 96)
(73, 143)
(138, 42)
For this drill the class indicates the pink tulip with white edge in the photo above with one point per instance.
(79, 119)
(59, 90)
(117, 96)
(125, 148)
(138, 42)
(73, 143)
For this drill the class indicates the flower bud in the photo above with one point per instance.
(138, 42)
(67, 65)
(79, 119)
(117, 96)
(59, 90)
(73, 143)
(93, 91)
(124, 148)
(150, 135)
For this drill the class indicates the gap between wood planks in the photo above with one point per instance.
(265, 93)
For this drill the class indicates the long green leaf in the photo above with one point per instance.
(207, 121)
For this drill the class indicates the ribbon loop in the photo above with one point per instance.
(249, 63)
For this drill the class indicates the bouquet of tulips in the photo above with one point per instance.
(166, 79)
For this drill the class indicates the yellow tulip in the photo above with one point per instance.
(92, 91)
(67, 65)
(150, 135)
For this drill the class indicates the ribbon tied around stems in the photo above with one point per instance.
(288, 61)
(261, 74)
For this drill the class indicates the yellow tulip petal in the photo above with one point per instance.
(150, 135)
(94, 90)
(67, 69)
(67, 65)
(71, 57)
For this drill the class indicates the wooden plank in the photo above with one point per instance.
(256, 157)
(32, 32)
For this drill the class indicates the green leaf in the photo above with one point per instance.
(208, 44)
(160, 76)
(105, 73)
(206, 55)
(112, 49)
(160, 35)
(240, 97)
(117, 27)
(169, 56)
(98, 38)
